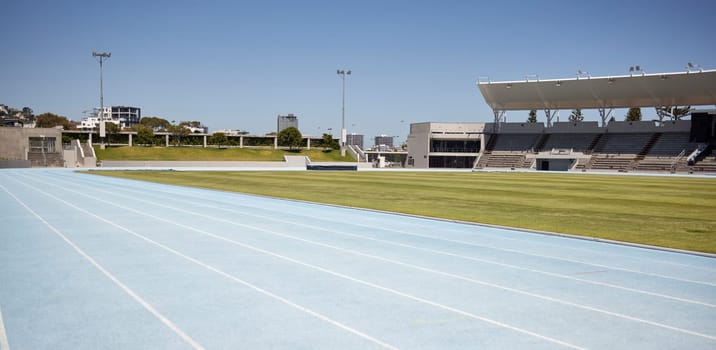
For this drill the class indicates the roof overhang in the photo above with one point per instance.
(643, 90)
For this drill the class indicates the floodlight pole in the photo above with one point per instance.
(343, 74)
(101, 56)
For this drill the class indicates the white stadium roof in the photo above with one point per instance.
(637, 90)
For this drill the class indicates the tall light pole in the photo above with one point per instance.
(343, 74)
(101, 56)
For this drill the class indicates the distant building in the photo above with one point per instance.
(127, 116)
(123, 116)
(354, 140)
(286, 121)
(384, 142)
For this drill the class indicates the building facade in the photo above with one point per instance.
(123, 116)
(384, 142)
(354, 140)
(445, 145)
(286, 121)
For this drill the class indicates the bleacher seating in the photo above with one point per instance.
(504, 160)
(660, 164)
(575, 142)
(39, 159)
(515, 142)
(606, 162)
(708, 164)
(622, 143)
(672, 144)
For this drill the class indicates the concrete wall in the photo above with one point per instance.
(625, 127)
(15, 142)
(7, 164)
(521, 128)
(418, 145)
(676, 125)
(575, 127)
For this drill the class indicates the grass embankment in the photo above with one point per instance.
(662, 211)
(213, 154)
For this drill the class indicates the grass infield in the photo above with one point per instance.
(213, 154)
(674, 212)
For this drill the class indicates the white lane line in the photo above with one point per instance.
(207, 266)
(436, 251)
(4, 343)
(404, 245)
(516, 251)
(298, 262)
(396, 262)
(194, 344)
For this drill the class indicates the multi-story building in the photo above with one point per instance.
(286, 121)
(123, 116)
(384, 142)
(127, 116)
(445, 145)
(354, 140)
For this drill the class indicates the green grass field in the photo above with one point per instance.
(212, 154)
(674, 212)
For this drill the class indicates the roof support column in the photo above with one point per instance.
(499, 115)
(604, 115)
(550, 115)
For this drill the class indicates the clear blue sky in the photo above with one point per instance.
(237, 64)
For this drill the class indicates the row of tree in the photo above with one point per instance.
(633, 114)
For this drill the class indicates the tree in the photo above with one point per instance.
(290, 137)
(329, 141)
(156, 123)
(633, 115)
(533, 116)
(177, 132)
(111, 129)
(145, 135)
(576, 115)
(673, 112)
(50, 120)
(218, 138)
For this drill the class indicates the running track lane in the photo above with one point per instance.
(94, 262)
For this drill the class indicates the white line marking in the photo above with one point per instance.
(114, 279)
(209, 267)
(4, 344)
(516, 251)
(298, 262)
(392, 261)
(446, 274)
(433, 251)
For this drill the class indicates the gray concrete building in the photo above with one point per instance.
(286, 121)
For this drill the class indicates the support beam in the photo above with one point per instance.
(605, 115)
(130, 139)
(499, 115)
(550, 115)
(204, 141)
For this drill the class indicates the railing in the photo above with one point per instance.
(696, 153)
(676, 161)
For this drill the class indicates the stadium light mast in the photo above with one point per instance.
(343, 74)
(101, 56)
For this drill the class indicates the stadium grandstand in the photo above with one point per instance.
(672, 144)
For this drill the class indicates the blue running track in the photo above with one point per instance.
(89, 262)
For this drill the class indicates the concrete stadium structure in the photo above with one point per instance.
(672, 145)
